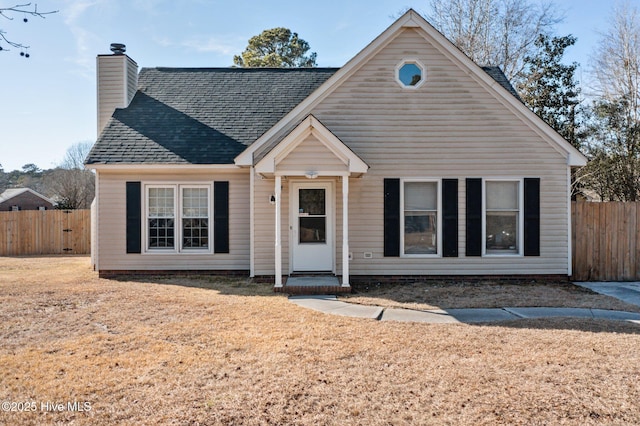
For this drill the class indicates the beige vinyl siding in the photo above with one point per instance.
(117, 77)
(451, 127)
(265, 219)
(132, 79)
(112, 223)
(311, 155)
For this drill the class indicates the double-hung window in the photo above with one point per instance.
(420, 220)
(178, 218)
(503, 217)
(195, 217)
(161, 218)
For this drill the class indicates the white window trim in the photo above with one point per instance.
(177, 202)
(419, 64)
(520, 252)
(438, 183)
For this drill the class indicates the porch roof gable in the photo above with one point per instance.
(311, 126)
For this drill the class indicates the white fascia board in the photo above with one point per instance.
(161, 167)
(311, 126)
(302, 173)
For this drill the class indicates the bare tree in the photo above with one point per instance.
(495, 32)
(614, 171)
(73, 186)
(9, 13)
(75, 155)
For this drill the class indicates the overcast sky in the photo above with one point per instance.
(48, 102)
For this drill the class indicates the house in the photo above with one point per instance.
(409, 161)
(15, 199)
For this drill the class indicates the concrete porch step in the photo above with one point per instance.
(310, 285)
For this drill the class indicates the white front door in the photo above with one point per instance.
(312, 233)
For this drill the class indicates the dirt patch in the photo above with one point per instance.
(209, 351)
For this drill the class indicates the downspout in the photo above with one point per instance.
(278, 242)
(252, 266)
(345, 231)
(570, 224)
(95, 244)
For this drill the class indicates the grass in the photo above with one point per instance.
(225, 351)
(484, 294)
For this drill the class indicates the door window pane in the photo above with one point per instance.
(312, 221)
(313, 229)
(312, 201)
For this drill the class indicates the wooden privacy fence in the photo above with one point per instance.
(605, 237)
(45, 232)
(606, 241)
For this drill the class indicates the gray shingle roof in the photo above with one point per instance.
(207, 115)
(201, 115)
(497, 74)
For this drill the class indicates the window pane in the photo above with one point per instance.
(502, 235)
(161, 202)
(195, 233)
(311, 201)
(420, 196)
(502, 195)
(161, 233)
(420, 233)
(313, 229)
(420, 218)
(195, 203)
(410, 74)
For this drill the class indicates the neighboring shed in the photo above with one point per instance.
(15, 199)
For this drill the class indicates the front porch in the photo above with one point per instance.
(310, 284)
(314, 241)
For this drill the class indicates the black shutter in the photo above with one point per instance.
(221, 217)
(532, 216)
(392, 217)
(450, 217)
(134, 217)
(474, 217)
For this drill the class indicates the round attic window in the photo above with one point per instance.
(410, 74)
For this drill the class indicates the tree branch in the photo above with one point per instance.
(20, 8)
(7, 12)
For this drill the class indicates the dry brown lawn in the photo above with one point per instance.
(483, 294)
(210, 351)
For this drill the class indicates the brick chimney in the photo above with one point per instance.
(117, 76)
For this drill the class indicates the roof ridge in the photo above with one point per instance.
(242, 69)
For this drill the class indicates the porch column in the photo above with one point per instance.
(278, 247)
(345, 231)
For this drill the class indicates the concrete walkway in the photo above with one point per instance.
(626, 291)
(331, 305)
